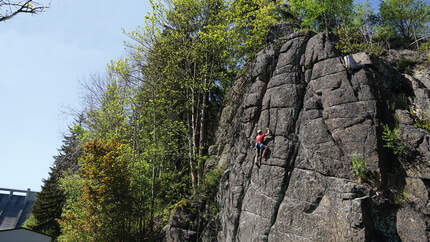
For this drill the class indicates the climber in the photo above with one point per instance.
(259, 139)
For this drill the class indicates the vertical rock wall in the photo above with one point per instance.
(320, 114)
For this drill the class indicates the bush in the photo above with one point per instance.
(424, 124)
(400, 102)
(359, 167)
(425, 49)
(210, 187)
(421, 120)
(399, 195)
(350, 43)
(392, 140)
(405, 65)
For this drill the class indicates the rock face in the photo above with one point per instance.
(320, 114)
(183, 223)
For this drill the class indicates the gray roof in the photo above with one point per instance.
(15, 208)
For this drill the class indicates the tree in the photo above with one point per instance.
(250, 21)
(110, 118)
(11, 8)
(364, 20)
(98, 206)
(49, 202)
(359, 32)
(179, 54)
(321, 15)
(186, 53)
(48, 207)
(409, 18)
(160, 104)
(74, 218)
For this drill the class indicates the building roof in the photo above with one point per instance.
(15, 207)
(23, 235)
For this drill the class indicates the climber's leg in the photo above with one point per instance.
(257, 153)
(264, 151)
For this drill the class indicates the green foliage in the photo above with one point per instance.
(399, 195)
(358, 33)
(105, 189)
(210, 187)
(48, 207)
(400, 102)
(385, 34)
(30, 223)
(421, 120)
(409, 18)
(351, 41)
(98, 202)
(425, 49)
(359, 167)
(49, 202)
(185, 58)
(320, 15)
(392, 140)
(73, 222)
(109, 120)
(405, 65)
(423, 124)
(250, 20)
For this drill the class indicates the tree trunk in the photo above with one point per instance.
(152, 199)
(194, 145)
(202, 138)
(153, 158)
(415, 36)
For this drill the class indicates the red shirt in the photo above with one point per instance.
(260, 138)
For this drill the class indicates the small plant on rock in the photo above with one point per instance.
(425, 49)
(400, 195)
(392, 140)
(359, 167)
(421, 120)
(400, 102)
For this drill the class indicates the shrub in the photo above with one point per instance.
(399, 102)
(422, 123)
(425, 49)
(421, 120)
(392, 140)
(405, 65)
(399, 195)
(359, 167)
(350, 43)
(210, 187)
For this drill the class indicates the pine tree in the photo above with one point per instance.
(48, 206)
(49, 202)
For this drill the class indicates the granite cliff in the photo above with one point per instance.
(323, 109)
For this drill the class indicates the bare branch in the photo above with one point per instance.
(94, 89)
(9, 9)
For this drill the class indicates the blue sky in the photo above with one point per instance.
(44, 58)
(374, 4)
